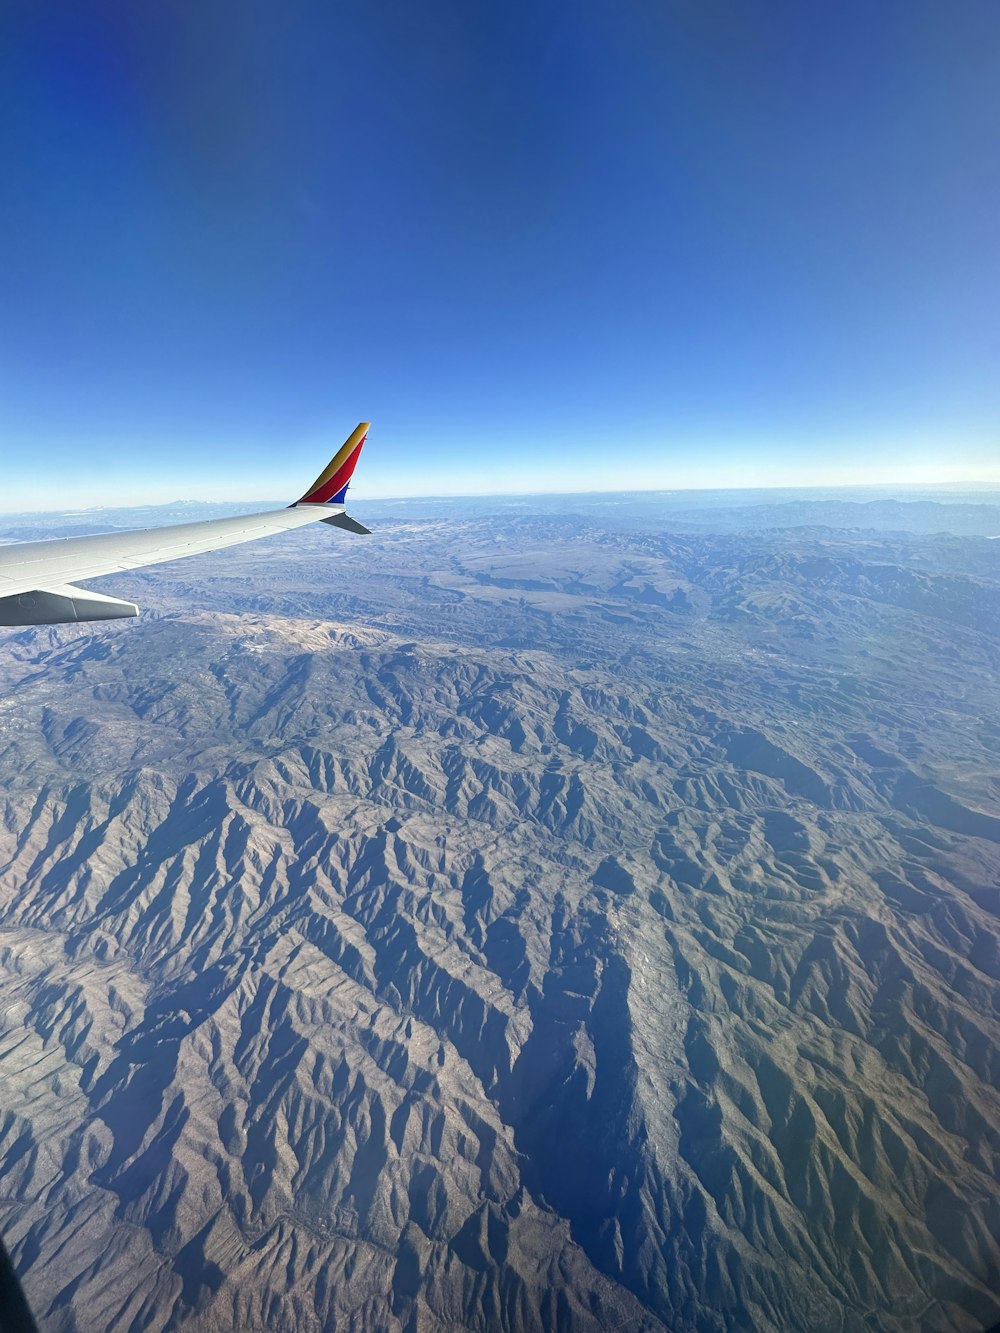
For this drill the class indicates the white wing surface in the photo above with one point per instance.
(37, 578)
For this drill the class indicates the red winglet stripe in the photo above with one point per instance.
(339, 479)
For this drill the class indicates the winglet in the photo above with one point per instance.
(330, 487)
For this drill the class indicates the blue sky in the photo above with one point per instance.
(541, 245)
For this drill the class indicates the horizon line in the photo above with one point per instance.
(961, 484)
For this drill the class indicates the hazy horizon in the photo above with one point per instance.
(361, 495)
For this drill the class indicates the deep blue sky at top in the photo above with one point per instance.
(541, 244)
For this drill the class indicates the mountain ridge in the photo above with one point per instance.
(579, 965)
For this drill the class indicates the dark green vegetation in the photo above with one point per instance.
(510, 923)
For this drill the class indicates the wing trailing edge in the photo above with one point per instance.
(347, 523)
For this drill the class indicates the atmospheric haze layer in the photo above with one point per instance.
(558, 914)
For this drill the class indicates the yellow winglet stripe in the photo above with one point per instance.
(341, 456)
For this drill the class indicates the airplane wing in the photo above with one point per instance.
(37, 579)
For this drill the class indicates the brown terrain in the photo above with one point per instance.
(511, 922)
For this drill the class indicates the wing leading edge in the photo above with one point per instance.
(37, 578)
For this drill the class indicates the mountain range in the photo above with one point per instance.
(542, 918)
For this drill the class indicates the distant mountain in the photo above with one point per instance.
(922, 516)
(919, 510)
(509, 922)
